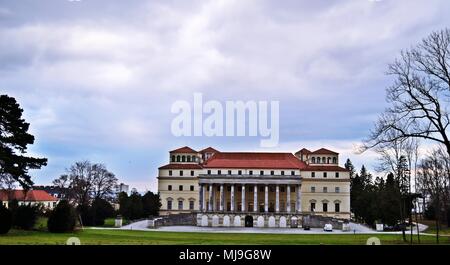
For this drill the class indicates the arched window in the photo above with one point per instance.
(178, 158)
(194, 158)
(183, 159)
(324, 160)
(313, 160)
(334, 160)
(188, 158)
(173, 158)
(328, 160)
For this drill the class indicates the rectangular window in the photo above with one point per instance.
(324, 174)
(272, 172)
(191, 205)
(292, 173)
(192, 188)
(170, 172)
(282, 173)
(229, 172)
(325, 189)
(180, 188)
(261, 172)
(219, 172)
(313, 174)
(337, 174)
(337, 207)
(180, 205)
(313, 189)
(169, 205)
(261, 189)
(325, 207)
(250, 172)
(239, 172)
(192, 172)
(209, 172)
(337, 190)
(169, 187)
(313, 207)
(181, 172)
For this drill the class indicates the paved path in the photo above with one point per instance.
(355, 228)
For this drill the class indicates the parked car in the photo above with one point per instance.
(328, 228)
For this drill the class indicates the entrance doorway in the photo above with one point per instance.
(248, 221)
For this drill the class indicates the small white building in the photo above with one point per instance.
(30, 197)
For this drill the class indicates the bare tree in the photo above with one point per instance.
(103, 183)
(419, 95)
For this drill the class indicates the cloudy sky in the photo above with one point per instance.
(97, 79)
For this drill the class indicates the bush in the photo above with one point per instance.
(25, 216)
(5, 220)
(95, 214)
(62, 219)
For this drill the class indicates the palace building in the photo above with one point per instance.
(263, 189)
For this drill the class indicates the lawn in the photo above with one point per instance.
(123, 237)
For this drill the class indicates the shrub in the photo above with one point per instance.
(95, 214)
(25, 216)
(62, 219)
(5, 220)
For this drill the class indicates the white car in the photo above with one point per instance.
(328, 228)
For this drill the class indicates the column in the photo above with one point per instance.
(210, 204)
(214, 204)
(298, 206)
(288, 198)
(266, 199)
(221, 198)
(232, 198)
(255, 198)
(277, 199)
(200, 198)
(243, 198)
(204, 198)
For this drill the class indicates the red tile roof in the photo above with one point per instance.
(185, 149)
(325, 168)
(31, 195)
(254, 160)
(323, 151)
(209, 150)
(303, 151)
(181, 166)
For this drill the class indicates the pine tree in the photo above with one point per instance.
(14, 138)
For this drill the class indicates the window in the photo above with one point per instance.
(313, 207)
(170, 172)
(180, 188)
(189, 159)
(250, 172)
(281, 189)
(313, 160)
(218, 188)
(337, 174)
(292, 172)
(325, 207)
(313, 189)
(180, 205)
(261, 172)
(337, 207)
(324, 160)
(169, 205)
(292, 189)
(282, 173)
(192, 172)
(181, 172)
(239, 172)
(219, 172)
(325, 189)
(337, 190)
(328, 160)
(173, 159)
(324, 174)
(228, 188)
(334, 160)
(169, 187)
(313, 174)
(178, 158)
(261, 189)
(183, 159)
(229, 172)
(191, 205)
(54, 204)
(272, 172)
(209, 172)
(192, 187)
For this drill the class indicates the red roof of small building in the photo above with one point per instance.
(21, 195)
(323, 151)
(303, 151)
(181, 166)
(209, 150)
(185, 149)
(254, 160)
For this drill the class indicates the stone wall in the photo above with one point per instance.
(174, 219)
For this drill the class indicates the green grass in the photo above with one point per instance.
(111, 222)
(443, 230)
(122, 237)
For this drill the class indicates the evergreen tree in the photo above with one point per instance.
(62, 219)
(14, 138)
(349, 166)
(151, 203)
(5, 220)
